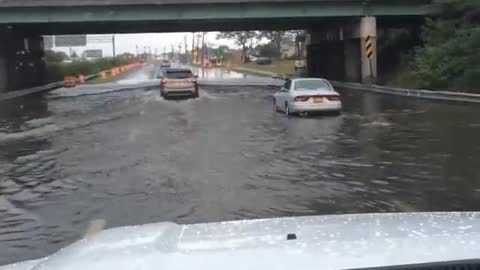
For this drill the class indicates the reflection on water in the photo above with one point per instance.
(217, 73)
(131, 157)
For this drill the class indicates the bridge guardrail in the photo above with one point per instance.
(38, 89)
(417, 93)
(54, 85)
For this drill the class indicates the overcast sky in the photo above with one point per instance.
(159, 41)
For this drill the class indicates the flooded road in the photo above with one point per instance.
(130, 157)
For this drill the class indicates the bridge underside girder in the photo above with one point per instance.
(198, 25)
(21, 51)
(201, 17)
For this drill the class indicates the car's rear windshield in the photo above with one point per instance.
(165, 61)
(312, 85)
(179, 74)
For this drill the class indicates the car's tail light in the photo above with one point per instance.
(333, 98)
(301, 98)
(164, 81)
(194, 80)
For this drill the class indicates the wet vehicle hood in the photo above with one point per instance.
(316, 242)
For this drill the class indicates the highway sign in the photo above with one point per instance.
(93, 53)
(70, 41)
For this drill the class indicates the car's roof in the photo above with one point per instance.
(309, 79)
(173, 70)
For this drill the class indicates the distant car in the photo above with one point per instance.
(263, 61)
(299, 65)
(178, 82)
(165, 63)
(305, 95)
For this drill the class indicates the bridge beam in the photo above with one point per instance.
(338, 52)
(22, 62)
(325, 54)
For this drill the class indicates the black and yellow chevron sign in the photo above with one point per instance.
(369, 47)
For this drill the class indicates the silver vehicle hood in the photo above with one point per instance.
(322, 242)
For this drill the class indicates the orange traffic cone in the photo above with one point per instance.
(81, 79)
(69, 82)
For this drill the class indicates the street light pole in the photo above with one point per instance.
(113, 46)
(203, 48)
(193, 46)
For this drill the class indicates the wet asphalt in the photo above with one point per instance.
(129, 157)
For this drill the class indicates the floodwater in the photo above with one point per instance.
(130, 157)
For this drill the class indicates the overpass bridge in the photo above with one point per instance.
(22, 22)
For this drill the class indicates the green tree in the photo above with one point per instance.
(299, 38)
(450, 56)
(268, 50)
(241, 38)
(275, 37)
(55, 57)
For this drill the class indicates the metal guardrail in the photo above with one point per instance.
(417, 93)
(55, 85)
(38, 89)
(425, 94)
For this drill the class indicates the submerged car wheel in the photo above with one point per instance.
(275, 108)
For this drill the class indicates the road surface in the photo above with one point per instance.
(130, 157)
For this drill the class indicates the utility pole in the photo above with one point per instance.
(185, 43)
(113, 46)
(198, 46)
(193, 47)
(206, 47)
(203, 48)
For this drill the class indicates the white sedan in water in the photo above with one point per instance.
(305, 95)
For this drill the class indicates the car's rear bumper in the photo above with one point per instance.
(179, 92)
(315, 107)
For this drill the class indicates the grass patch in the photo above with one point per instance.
(404, 77)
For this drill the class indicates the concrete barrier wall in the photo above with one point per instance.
(44, 88)
(38, 89)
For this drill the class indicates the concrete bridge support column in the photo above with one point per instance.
(340, 52)
(3, 66)
(22, 62)
(325, 55)
(353, 63)
(368, 28)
